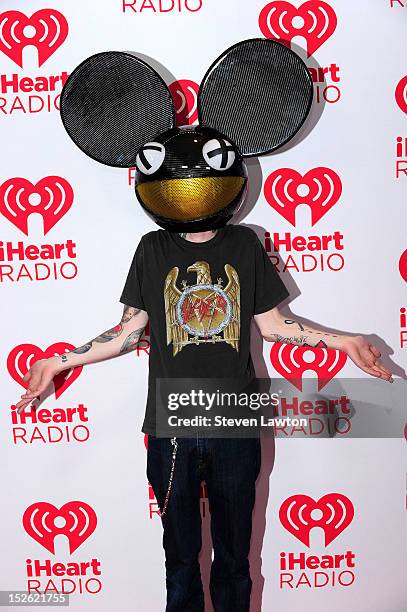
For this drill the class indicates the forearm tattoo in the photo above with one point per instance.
(83, 349)
(131, 340)
(128, 313)
(292, 322)
(110, 334)
(301, 339)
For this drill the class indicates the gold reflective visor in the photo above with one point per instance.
(187, 199)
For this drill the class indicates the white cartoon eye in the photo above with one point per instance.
(150, 157)
(219, 154)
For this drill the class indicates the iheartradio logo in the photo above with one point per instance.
(333, 513)
(23, 356)
(401, 94)
(46, 30)
(315, 21)
(185, 95)
(51, 197)
(76, 520)
(403, 265)
(291, 361)
(285, 189)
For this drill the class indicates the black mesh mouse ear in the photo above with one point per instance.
(258, 93)
(112, 104)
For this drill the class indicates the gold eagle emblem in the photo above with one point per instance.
(205, 312)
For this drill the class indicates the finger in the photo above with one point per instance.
(23, 403)
(369, 369)
(27, 376)
(20, 406)
(375, 350)
(367, 356)
(37, 386)
(364, 360)
(382, 369)
(378, 367)
(29, 394)
(34, 383)
(384, 374)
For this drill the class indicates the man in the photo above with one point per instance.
(201, 328)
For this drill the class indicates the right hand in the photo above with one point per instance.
(38, 377)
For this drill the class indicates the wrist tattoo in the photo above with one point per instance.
(64, 358)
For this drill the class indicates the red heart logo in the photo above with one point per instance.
(285, 189)
(77, 522)
(185, 94)
(401, 94)
(23, 356)
(403, 265)
(314, 20)
(46, 30)
(335, 511)
(51, 197)
(290, 361)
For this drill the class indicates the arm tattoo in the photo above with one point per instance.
(291, 322)
(288, 339)
(82, 349)
(312, 331)
(317, 333)
(299, 340)
(105, 337)
(128, 313)
(131, 340)
(110, 334)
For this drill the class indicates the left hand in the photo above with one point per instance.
(366, 356)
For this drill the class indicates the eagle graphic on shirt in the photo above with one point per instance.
(205, 312)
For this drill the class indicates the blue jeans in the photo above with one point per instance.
(230, 467)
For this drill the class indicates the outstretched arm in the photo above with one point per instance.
(275, 327)
(118, 340)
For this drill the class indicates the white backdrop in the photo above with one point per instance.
(65, 295)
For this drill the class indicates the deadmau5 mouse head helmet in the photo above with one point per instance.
(252, 100)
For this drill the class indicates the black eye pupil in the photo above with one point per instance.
(143, 158)
(223, 150)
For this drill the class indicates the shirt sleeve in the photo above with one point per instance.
(132, 290)
(269, 287)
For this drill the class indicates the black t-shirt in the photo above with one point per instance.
(200, 299)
